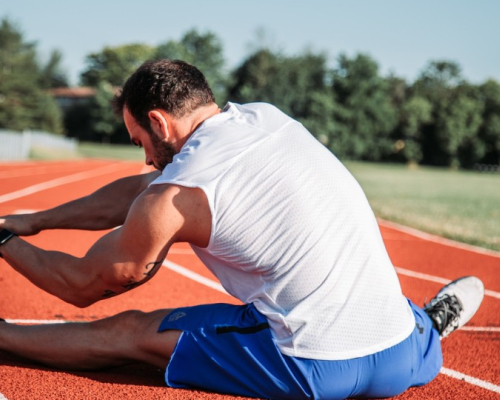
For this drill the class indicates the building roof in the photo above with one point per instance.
(74, 92)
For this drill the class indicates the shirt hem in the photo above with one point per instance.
(347, 355)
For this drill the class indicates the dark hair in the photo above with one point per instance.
(171, 85)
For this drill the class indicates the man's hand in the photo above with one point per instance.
(21, 225)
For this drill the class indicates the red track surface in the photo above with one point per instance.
(474, 353)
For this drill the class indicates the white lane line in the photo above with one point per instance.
(437, 279)
(37, 170)
(480, 329)
(470, 379)
(61, 181)
(182, 251)
(194, 276)
(2, 397)
(437, 239)
(146, 169)
(38, 321)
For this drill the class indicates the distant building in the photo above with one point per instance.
(67, 97)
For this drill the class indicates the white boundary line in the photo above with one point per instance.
(36, 170)
(39, 321)
(470, 379)
(146, 169)
(61, 181)
(437, 239)
(24, 211)
(437, 279)
(480, 328)
(182, 251)
(194, 276)
(2, 397)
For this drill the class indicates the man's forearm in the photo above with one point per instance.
(51, 271)
(104, 209)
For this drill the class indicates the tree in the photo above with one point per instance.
(458, 126)
(114, 64)
(489, 132)
(296, 85)
(364, 115)
(416, 112)
(103, 122)
(23, 103)
(319, 118)
(258, 79)
(205, 51)
(52, 74)
(456, 113)
(105, 70)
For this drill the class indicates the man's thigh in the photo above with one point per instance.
(230, 349)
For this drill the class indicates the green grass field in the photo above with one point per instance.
(90, 150)
(459, 205)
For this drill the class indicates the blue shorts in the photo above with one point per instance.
(230, 349)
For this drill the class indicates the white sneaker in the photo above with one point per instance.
(455, 304)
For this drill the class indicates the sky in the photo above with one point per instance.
(402, 36)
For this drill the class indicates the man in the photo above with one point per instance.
(280, 222)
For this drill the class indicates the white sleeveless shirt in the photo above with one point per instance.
(293, 233)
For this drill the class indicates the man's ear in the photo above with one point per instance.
(159, 123)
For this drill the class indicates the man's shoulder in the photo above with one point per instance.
(257, 107)
(173, 210)
(259, 115)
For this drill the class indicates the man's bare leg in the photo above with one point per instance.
(124, 338)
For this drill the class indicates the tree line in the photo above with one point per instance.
(439, 119)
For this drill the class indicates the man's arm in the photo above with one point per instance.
(104, 209)
(124, 258)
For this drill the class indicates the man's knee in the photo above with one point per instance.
(119, 331)
(139, 338)
(133, 335)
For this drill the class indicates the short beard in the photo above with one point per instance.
(164, 152)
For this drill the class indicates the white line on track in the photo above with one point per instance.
(470, 379)
(181, 251)
(24, 211)
(38, 321)
(37, 170)
(194, 276)
(437, 279)
(61, 181)
(437, 239)
(146, 169)
(480, 328)
(2, 397)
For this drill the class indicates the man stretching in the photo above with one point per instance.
(281, 223)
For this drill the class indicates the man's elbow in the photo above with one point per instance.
(81, 292)
(79, 301)
(78, 298)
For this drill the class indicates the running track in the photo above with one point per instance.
(471, 368)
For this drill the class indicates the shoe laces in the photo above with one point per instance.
(445, 313)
